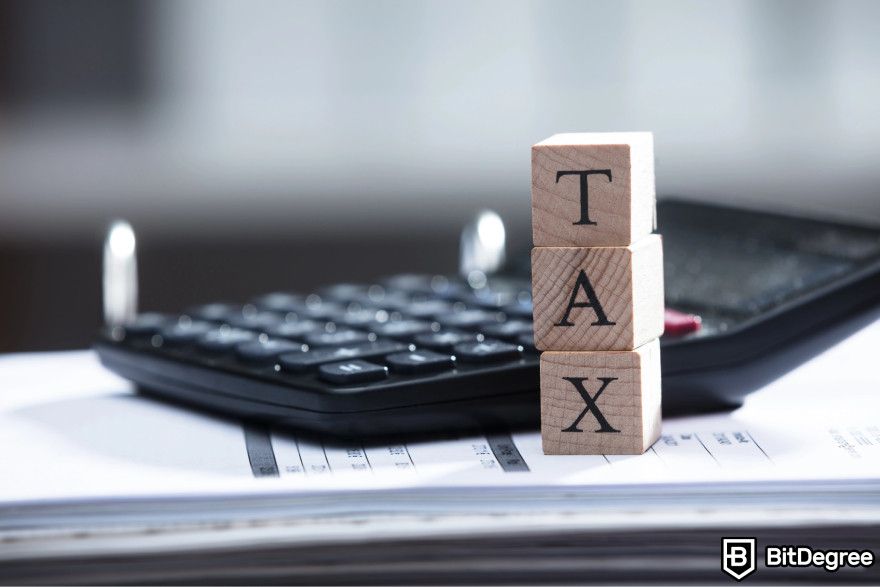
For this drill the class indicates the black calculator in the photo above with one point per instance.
(425, 354)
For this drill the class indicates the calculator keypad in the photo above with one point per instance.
(407, 328)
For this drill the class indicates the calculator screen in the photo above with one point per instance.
(730, 266)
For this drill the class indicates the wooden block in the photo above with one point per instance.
(598, 298)
(592, 189)
(600, 402)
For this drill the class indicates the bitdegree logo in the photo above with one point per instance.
(739, 561)
(738, 557)
(805, 556)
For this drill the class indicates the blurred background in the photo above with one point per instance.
(261, 145)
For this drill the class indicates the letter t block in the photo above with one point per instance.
(600, 402)
(592, 189)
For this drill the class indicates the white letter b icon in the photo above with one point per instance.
(738, 557)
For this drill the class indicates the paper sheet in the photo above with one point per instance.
(70, 430)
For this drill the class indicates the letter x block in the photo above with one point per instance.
(598, 298)
(602, 402)
(592, 189)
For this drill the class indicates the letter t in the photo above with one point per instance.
(585, 198)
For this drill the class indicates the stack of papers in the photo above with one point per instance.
(100, 484)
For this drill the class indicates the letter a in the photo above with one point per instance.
(583, 283)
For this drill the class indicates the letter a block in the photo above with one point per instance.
(592, 189)
(600, 402)
(598, 298)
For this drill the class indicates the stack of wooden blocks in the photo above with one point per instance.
(597, 286)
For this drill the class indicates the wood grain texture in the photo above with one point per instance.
(628, 284)
(629, 404)
(622, 208)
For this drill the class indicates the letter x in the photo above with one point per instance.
(578, 383)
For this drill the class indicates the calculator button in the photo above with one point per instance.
(374, 293)
(256, 320)
(337, 338)
(469, 319)
(300, 362)
(224, 339)
(351, 372)
(394, 301)
(427, 308)
(510, 330)
(487, 351)
(680, 323)
(215, 312)
(443, 341)
(185, 332)
(259, 351)
(280, 302)
(296, 330)
(363, 317)
(327, 311)
(149, 323)
(417, 362)
(402, 329)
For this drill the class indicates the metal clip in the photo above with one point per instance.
(483, 248)
(120, 279)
